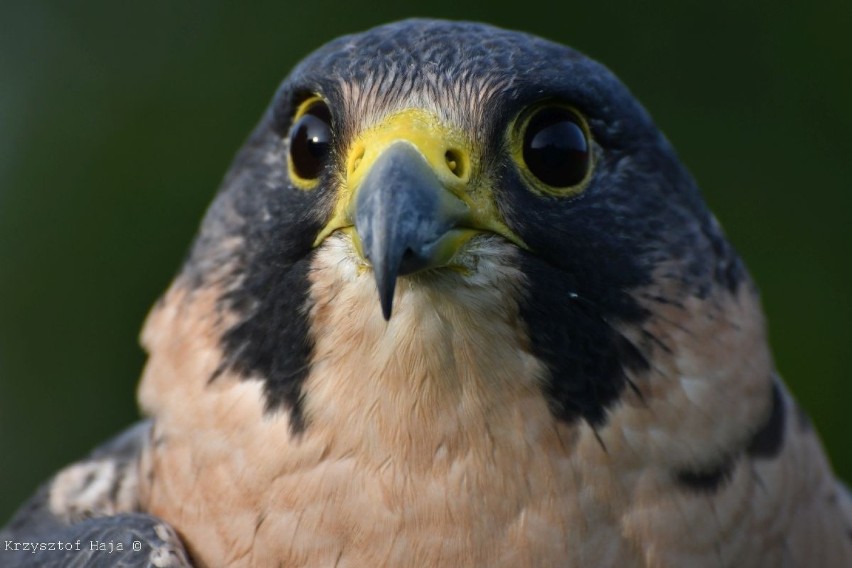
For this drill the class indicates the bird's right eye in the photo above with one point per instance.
(310, 141)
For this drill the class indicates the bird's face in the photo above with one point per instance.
(444, 167)
(412, 196)
(457, 296)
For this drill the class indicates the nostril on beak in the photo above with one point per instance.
(455, 162)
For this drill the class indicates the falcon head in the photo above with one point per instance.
(415, 187)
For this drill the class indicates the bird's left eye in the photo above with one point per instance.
(310, 141)
(556, 147)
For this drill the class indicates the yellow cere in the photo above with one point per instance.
(451, 155)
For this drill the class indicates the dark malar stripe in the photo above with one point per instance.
(273, 341)
(267, 286)
(586, 356)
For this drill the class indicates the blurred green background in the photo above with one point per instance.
(118, 121)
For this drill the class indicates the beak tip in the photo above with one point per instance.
(385, 284)
(386, 290)
(387, 307)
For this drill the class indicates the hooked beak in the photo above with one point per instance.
(409, 202)
(406, 220)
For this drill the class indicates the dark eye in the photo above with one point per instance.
(310, 141)
(556, 149)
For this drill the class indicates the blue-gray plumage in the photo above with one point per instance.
(458, 303)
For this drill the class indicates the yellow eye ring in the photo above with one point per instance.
(309, 143)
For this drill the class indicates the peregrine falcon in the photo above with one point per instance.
(456, 303)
